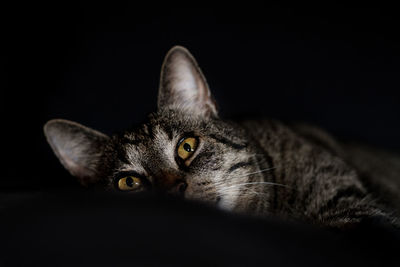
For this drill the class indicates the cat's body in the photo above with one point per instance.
(330, 182)
(258, 167)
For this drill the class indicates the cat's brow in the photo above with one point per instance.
(239, 165)
(122, 156)
(168, 130)
(227, 142)
(129, 140)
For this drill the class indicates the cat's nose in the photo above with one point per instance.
(178, 189)
(172, 183)
(181, 187)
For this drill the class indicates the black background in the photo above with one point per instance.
(99, 65)
(333, 66)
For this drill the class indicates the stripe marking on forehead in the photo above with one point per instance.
(147, 148)
(164, 146)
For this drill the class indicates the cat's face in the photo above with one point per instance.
(182, 149)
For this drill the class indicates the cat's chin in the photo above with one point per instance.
(225, 204)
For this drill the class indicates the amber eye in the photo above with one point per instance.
(187, 147)
(129, 183)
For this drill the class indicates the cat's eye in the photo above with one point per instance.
(187, 147)
(129, 183)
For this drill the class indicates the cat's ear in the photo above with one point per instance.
(183, 85)
(79, 148)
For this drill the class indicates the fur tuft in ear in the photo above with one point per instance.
(79, 148)
(183, 85)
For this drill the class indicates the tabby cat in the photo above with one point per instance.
(257, 167)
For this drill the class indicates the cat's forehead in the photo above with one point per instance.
(162, 125)
(149, 142)
(155, 140)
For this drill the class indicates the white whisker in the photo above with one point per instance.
(251, 173)
(266, 183)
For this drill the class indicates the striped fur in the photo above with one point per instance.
(259, 167)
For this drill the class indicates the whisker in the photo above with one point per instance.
(251, 173)
(223, 181)
(266, 183)
(223, 194)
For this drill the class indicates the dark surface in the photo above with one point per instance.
(99, 65)
(65, 229)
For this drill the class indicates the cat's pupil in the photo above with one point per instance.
(187, 147)
(129, 181)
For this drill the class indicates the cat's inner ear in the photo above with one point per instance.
(77, 147)
(183, 85)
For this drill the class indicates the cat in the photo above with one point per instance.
(257, 167)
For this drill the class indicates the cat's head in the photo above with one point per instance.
(183, 148)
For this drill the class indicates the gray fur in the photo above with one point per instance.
(258, 167)
(78, 148)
